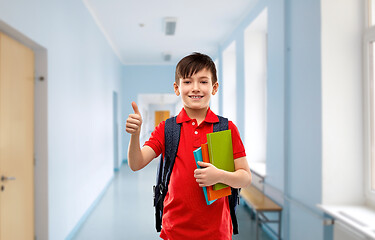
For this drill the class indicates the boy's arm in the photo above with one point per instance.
(137, 158)
(210, 175)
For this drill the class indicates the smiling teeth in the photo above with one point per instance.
(196, 97)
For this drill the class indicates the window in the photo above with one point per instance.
(372, 112)
(369, 94)
(255, 40)
(229, 82)
(214, 103)
(371, 18)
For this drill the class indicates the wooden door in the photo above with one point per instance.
(16, 140)
(161, 116)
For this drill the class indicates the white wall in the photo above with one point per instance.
(82, 74)
(342, 111)
(275, 181)
(303, 131)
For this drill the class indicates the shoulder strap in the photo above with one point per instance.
(234, 200)
(221, 125)
(172, 138)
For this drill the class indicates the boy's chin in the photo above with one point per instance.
(196, 108)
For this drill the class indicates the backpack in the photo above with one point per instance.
(172, 138)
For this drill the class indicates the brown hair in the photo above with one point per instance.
(194, 63)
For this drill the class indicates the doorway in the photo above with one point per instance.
(161, 116)
(40, 106)
(16, 140)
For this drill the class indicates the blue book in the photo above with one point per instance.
(198, 158)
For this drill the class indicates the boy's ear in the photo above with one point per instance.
(215, 88)
(176, 89)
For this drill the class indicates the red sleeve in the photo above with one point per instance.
(156, 141)
(238, 148)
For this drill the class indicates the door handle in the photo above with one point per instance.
(4, 178)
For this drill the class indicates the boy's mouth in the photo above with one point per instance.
(196, 97)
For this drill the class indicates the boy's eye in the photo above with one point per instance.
(204, 82)
(186, 82)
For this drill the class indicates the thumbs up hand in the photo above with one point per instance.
(134, 121)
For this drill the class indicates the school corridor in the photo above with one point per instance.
(295, 76)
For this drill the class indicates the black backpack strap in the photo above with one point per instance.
(221, 125)
(234, 200)
(172, 137)
(234, 197)
(158, 195)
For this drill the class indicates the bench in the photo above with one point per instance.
(260, 204)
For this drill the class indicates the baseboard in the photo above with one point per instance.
(124, 161)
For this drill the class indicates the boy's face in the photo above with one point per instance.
(196, 91)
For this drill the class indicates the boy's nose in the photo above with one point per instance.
(196, 86)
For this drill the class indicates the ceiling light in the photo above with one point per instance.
(167, 57)
(170, 26)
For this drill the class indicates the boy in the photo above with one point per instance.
(186, 214)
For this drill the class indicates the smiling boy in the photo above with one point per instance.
(185, 214)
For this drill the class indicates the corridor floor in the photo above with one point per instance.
(126, 211)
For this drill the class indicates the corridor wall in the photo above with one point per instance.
(83, 72)
(275, 84)
(308, 108)
(293, 157)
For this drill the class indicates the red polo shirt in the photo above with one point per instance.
(186, 214)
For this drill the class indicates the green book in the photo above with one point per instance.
(220, 150)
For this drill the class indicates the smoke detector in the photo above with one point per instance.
(170, 26)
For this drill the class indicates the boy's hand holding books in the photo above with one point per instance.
(208, 175)
(134, 121)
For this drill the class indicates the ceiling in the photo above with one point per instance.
(135, 29)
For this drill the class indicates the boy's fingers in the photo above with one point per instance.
(204, 164)
(132, 129)
(134, 118)
(132, 126)
(135, 108)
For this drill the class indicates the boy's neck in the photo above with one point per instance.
(198, 114)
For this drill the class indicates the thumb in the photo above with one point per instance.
(135, 108)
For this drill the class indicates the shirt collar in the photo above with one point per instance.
(210, 117)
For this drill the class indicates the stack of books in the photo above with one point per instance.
(219, 152)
